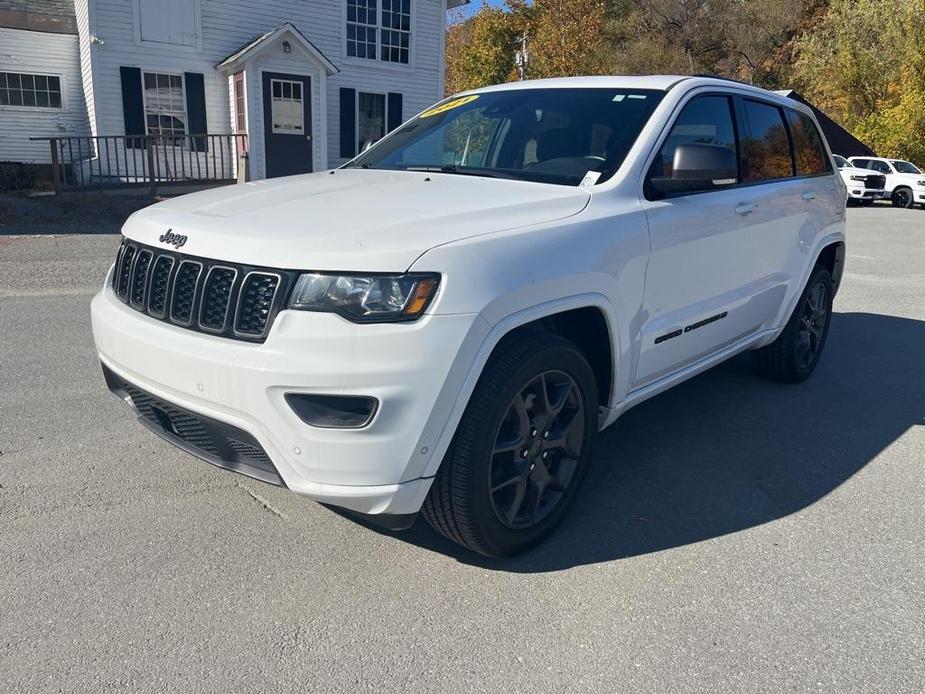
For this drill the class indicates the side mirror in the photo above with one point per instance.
(698, 167)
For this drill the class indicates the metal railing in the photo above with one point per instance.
(107, 161)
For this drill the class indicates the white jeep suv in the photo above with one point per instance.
(864, 185)
(445, 323)
(904, 181)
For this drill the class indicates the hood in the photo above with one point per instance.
(349, 219)
(855, 171)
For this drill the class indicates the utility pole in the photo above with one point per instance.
(522, 57)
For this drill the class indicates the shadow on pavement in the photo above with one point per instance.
(728, 451)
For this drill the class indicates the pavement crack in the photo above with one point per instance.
(267, 506)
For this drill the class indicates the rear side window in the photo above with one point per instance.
(861, 163)
(706, 121)
(765, 144)
(880, 166)
(809, 152)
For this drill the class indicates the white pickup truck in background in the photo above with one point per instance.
(905, 182)
(864, 185)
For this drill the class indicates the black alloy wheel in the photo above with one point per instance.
(902, 197)
(537, 450)
(814, 319)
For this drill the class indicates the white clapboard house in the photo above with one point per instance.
(299, 85)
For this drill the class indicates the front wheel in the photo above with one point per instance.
(521, 449)
(902, 197)
(793, 356)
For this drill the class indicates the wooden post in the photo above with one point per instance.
(149, 149)
(55, 165)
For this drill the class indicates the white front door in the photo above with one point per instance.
(714, 274)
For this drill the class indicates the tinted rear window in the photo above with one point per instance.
(766, 146)
(810, 155)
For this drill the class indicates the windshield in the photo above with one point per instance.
(840, 162)
(904, 167)
(543, 135)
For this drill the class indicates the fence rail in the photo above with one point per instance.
(146, 160)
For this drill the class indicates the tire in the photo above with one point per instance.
(785, 359)
(476, 487)
(903, 197)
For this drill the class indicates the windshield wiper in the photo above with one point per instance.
(462, 171)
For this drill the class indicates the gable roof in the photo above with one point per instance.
(50, 16)
(264, 41)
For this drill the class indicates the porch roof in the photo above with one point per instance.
(261, 43)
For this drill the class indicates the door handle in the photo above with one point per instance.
(746, 208)
(809, 195)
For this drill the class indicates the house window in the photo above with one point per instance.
(165, 105)
(240, 117)
(362, 23)
(383, 32)
(38, 91)
(168, 21)
(396, 30)
(286, 107)
(370, 118)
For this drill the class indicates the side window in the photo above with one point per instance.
(700, 153)
(861, 163)
(808, 149)
(880, 166)
(765, 145)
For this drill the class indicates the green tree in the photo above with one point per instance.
(480, 50)
(865, 67)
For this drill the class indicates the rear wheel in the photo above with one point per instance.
(902, 197)
(793, 356)
(521, 449)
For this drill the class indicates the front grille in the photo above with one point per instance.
(215, 298)
(225, 299)
(875, 182)
(214, 441)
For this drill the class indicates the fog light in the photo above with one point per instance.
(333, 411)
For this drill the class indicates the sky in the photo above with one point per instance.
(474, 6)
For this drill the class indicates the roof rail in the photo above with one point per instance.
(720, 77)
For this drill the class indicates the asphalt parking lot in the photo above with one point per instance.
(734, 534)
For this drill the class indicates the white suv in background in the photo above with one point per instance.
(446, 322)
(905, 182)
(864, 185)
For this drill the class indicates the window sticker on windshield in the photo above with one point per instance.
(449, 105)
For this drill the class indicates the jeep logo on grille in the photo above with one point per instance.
(175, 240)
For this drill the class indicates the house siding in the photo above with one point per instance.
(224, 27)
(85, 30)
(230, 24)
(48, 54)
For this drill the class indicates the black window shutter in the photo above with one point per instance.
(133, 107)
(394, 110)
(196, 109)
(348, 122)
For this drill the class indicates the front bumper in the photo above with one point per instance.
(865, 194)
(374, 470)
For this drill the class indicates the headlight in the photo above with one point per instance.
(859, 178)
(366, 298)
